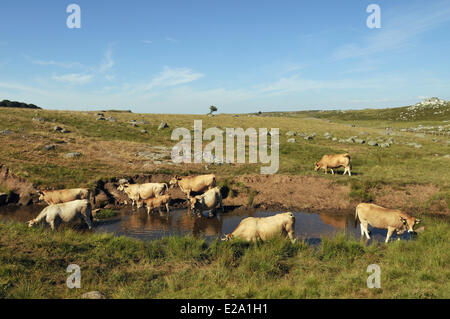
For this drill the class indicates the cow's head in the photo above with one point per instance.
(140, 203)
(122, 187)
(174, 181)
(227, 237)
(31, 223)
(291, 215)
(316, 166)
(408, 224)
(41, 195)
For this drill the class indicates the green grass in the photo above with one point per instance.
(106, 213)
(33, 265)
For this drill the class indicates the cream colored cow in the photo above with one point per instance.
(209, 200)
(196, 184)
(156, 202)
(264, 228)
(384, 218)
(52, 197)
(65, 212)
(334, 161)
(137, 192)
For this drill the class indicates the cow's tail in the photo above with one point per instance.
(214, 181)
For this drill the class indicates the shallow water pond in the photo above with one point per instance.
(137, 224)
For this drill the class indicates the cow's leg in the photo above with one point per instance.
(389, 233)
(87, 221)
(325, 169)
(332, 172)
(167, 207)
(52, 223)
(362, 229)
(365, 226)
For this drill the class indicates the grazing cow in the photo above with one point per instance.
(65, 212)
(384, 218)
(196, 184)
(334, 161)
(264, 228)
(155, 202)
(209, 200)
(64, 195)
(138, 192)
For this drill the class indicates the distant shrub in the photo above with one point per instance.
(7, 103)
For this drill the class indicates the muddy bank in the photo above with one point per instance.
(267, 192)
(19, 191)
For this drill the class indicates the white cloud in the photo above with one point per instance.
(171, 40)
(147, 41)
(67, 65)
(107, 62)
(73, 78)
(173, 76)
(401, 29)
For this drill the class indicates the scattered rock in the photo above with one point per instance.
(334, 139)
(291, 140)
(372, 143)
(291, 133)
(163, 125)
(93, 295)
(384, 145)
(49, 147)
(309, 137)
(72, 155)
(112, 119)
(38, 119)
(143, 131)
(101, 118)
(446, 156)
(359, 141)
(57, 128)
(6, 132)
(64, 131)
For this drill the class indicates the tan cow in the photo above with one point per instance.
(209, 200)
(264, 228)
(138, 192)
(384, 218)
(334, 161)
(155, 202)
(196, 184)
(66, 212)
(53, 197)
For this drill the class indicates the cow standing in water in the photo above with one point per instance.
(384, 218)
(264, 228)
(65, 212)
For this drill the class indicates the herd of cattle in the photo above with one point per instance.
(71, 204)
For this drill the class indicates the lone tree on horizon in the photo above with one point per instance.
(212, 109)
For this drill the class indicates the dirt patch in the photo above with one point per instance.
(291, 192)
(412, 198)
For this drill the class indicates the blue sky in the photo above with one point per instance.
(242, 56)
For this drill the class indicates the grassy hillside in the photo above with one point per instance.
(116, 148)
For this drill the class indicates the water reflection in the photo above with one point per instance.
(138, 224)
